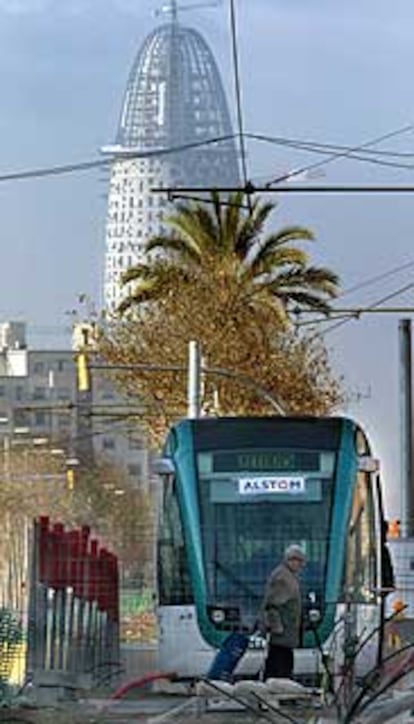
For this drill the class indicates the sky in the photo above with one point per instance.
(314, 70)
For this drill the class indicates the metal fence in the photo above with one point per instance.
(73, 612)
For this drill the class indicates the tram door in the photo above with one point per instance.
(179, 639)
(362, 590)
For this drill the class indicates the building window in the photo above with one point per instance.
(40, 419)
(39, 393)
(134, 470)
(20, 418)
(108, 443)
(63, 393)
(38, 368)
(19, 393)
(107, 394)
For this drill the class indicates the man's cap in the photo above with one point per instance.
(295, 551)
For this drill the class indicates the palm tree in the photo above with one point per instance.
(226, 242)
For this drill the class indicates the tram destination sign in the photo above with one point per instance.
(260, 461)
(287, 485)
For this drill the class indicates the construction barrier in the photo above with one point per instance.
(73, 612)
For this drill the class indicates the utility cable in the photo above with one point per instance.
(350, 156)
(362, 310)
(392, 295)
(352, 313)
(343, 154)
(376, 278)
(318, 145)
(356, 288)
(238, 91)
(342, 189)
(99, 163)
(328, 149)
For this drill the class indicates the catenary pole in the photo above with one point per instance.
(194, 380)
(406, 406)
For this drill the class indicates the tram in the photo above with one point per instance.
(237, 491)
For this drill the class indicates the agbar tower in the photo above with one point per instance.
(174, 98)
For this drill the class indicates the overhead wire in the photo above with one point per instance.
(315, 146)
(59, 170)
(356, 288)
(341, 314)
(330, 150)
(308, 146)
(351, 156)
(376, 278)
(237, 85)
(355, 314)
(343, 154)
(343, 189)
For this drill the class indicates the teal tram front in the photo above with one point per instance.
(235, 493)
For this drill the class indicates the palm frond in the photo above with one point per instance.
(307, 301)
(174, 245)
(284, 236)
(313, 279)
(232, 218)
(276, 260)
(190, 228)
(251, 227)
(136, 272)
(223, 242)
(324, 278)
(206, 223)
(140, 295)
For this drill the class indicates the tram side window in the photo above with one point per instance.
(361, 565)
(173, 574)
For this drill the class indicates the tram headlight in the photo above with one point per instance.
(224, 617)
(314, 616)
(217, 615)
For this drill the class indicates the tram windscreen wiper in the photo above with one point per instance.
(228, 573)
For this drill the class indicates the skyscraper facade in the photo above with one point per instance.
(174, 109)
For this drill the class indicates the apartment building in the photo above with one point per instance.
(40, 402)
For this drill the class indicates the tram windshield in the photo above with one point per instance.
(254, 503)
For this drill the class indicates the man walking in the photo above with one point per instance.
(281, 612)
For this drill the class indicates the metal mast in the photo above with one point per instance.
(407, 472)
